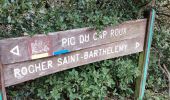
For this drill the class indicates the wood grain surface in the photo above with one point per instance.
(20, 49)
(23, 71)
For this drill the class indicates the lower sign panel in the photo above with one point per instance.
(24, 71)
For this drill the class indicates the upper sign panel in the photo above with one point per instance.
(28, 48)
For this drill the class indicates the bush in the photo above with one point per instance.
(114, 78)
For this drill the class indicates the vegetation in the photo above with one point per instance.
(112, 79)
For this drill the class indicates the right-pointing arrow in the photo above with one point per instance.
(137, 44)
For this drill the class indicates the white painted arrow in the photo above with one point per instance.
(137, 44)
(15, 50)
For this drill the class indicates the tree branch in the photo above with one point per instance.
(167, 71)
(162, 68)
(163, 14)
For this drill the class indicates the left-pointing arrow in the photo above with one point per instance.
(15, 50)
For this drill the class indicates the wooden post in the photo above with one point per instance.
(2, 85)
(144, 58)
(139, 79)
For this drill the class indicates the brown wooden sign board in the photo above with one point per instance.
(15, 50)
(27, 58)
(24, 71)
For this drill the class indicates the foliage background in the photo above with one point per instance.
(114, 78)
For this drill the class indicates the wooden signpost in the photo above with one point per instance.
(26, 48)
(24, 71)
(27, 58)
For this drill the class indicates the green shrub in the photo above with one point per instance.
(109, 78)
(114, 78)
